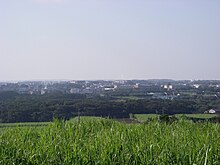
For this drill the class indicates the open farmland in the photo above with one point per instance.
(104, 141)
(27, 124)
(146, 117)
(201, 116)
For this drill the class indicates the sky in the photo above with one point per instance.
(109, 39)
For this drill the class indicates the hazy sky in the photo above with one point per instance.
(109, 39)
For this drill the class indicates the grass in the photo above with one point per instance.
(104, 141)
(31, 124)
(145, 117)
(201, 116)
(86, 118)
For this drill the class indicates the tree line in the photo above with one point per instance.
(16, 107)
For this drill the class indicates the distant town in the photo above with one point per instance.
(145, 89)
(39, 101)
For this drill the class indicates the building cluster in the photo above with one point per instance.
(156, 89)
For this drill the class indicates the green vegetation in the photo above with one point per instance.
(201, 116)
(85, 119)
(104, 141)
(145, 117)
(24, 124)
(128, 97)
(16, 107)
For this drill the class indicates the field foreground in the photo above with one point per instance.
(104, 141)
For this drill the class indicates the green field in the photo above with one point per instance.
(104, 141)
(201, 116)
(145, 117)
(36, 124)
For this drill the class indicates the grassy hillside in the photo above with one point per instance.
(103, 141)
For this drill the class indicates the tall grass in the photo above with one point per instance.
(104, 141)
